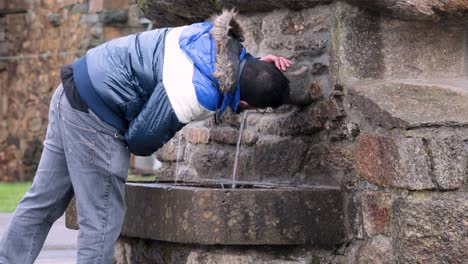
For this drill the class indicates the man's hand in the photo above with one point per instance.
(280, 62)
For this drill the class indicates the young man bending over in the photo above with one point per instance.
(131, 95)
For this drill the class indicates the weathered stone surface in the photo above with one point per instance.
(109, 17)
(181, 11)
(448, 161)
(209, 216)
(376, 250)
(305, 121)
(52, 33)
(395, 162)
(225, 135)
(422, 10)
(422, 50)
(196, 134)
(323, 158)
(368, 45)
(173, 150)
(230, 135)
(408, 104)
(272, 160)
(376, 212)
(211, 161)
(413, 163)
(135, 251)
(54, 19)
(432, 228)
(101, 5)
(237, 257)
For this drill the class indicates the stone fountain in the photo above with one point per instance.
(368, 166)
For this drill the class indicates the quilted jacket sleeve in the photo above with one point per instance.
(154, 126)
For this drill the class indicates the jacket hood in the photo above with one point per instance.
(227, 35)
(215, 48)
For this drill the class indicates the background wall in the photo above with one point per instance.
(33, 45)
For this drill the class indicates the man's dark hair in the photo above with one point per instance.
(263, 85)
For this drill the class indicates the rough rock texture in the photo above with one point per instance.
(50, 34)
(409, 104)
(411, 163)
(387, 126)
(432, 228)
(376, 250)
(130, 250)
(179, 12)
(211, 216)
(371, 46)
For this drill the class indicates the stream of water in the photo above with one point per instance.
(177, 158)
(236, 158)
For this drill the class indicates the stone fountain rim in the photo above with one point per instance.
(202, 186)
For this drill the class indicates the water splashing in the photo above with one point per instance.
(177, 158)
(236, 158)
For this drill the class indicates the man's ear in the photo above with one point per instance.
(244, 104)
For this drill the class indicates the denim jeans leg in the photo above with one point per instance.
(43, 203)
(98, 165)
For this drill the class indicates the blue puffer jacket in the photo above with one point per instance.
(149, 85)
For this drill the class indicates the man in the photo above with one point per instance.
(131, 95)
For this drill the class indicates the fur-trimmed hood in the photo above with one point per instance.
(227, 34)
(216, 51)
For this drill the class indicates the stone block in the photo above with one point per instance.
(239, 257)
(216, 216)
(448, 161)
(82, 8)
(112, 17)
(224, 135)
(419, 10)
(196, 134)
(54, 19)
(396, 49)
(272, 160)
(300, 121)
(173, 150)
(408, 104)
(377, 250)
(101, 5)
(135, 251)
(111, 33)
(376, 212)
(195, 11)
(17, 5)
(230, 135)
(432, 228)
(211, 161)
(409, 49)
(327, 158)
(411, 163)
(304, 121)
(393, 162)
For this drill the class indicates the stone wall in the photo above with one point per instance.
(37, 42)
(387, 124)
(277, 146)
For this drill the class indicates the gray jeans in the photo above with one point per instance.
(81, 156)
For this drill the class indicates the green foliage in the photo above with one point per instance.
(11, 194)
(139, 178)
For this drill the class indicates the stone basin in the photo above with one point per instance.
(211, 214)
